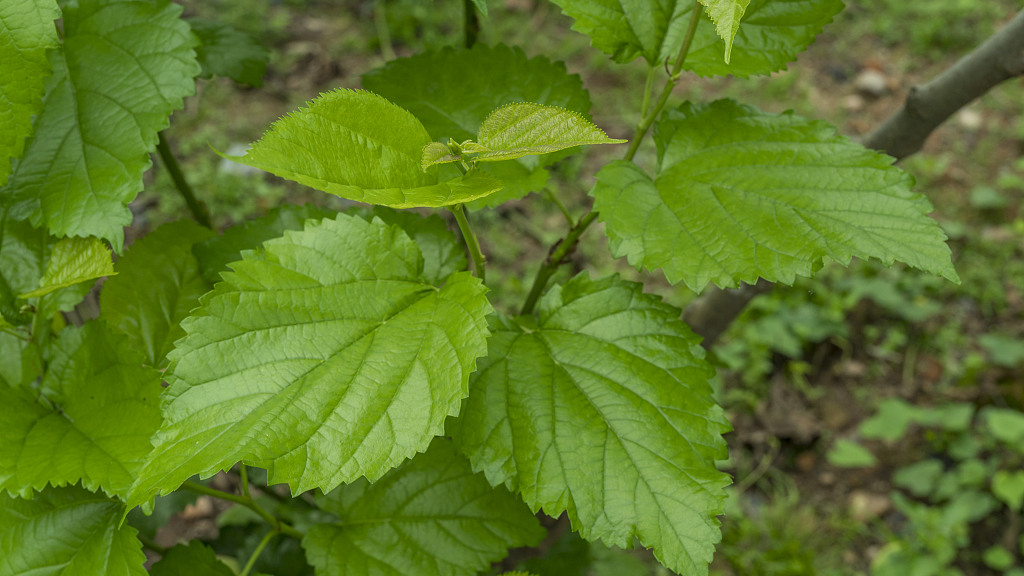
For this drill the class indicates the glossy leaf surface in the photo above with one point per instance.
(67, 532)
(432, 516)
(26, 33)
(323, 357)
(602, 408)
(157, 286)
(123, 68)
(741, 194)
(91, 422)
(74, 260)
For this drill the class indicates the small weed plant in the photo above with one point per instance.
(356, 357)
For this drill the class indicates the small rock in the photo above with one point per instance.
(853, 103)
(871, 82)
(867, 505)
(969, 119)
(827, 478)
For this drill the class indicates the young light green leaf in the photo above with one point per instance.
(602, 408)
(65, 531)
(849, 454)
(451, 91)
(26, 33)
(741, 194)
(323, 357)
(194, 559)
(432, 516)
(91, 422)
(443, 254)
(726, 15)
(92, 138)
(158, 285)
(1009, 487)
(357, 145)
(229, 52)
(529, 129)
(436, 153)
(772, 34)
(73, 261)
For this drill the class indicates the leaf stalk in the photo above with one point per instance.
(256, 553)
(197, 209)
(471, 241)
(276, 523)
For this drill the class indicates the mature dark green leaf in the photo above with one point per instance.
(91, 422)
(323, 357)
(66, 532)
(26, 33)
(529, 129)
(195, 559)
(73, 261)
(772, 34)
(215, 254)
(741, 194)
(124, 67)
(432, 516)
(23, 254)
(452, 90)
(357, 145)
(602, 408)
(158, 285)
(226, 51)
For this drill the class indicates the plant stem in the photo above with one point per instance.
(256, 553)
(198, 210)
(471, 241)
(561, 206)
(471, 25)
(243, 475)
(564, 247)
(380, 20)
(249, 503)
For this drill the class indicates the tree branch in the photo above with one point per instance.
(997, 60)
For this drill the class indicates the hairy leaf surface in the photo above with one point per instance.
(91, 422)
(67, 532)
(430, 516)
(26, 33)
(195, 559)
(74, 260)
(741, 194)
(453, 90)
(772, 34)
(229, 52)
(526, 128)
(158, 285)
(357, 145)
(124, 67)
(601, 407)
(323, 357)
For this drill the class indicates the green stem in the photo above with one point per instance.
(471, 26)
(471, 241)
(256, 553)
(561, 206)
(147, 542)
(243, 475)
(380, 20)
(249, 503)
(647, 117)
(198, 210)
(648, 90)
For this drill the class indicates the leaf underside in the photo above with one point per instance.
(92, 138)
(601, 408)
(432, 515)
(741, 195)
(527, 128)
(323, 357)
(74, 260)
(726, 15)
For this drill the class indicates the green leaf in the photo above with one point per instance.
(481, 5)
(26, 33)
(849, 454)
(124, 67)
(431, 516)
(229, 52)
(158, 286)
(324, 357)
(195, 559)
(773, 32)
(726, 15)
(1009, 487)
(453, 90)
(67, 532)
(602, 408)
(73, 261)
(23, 254)
(357, 145)
(522, 129)
(91, 422)
(443, 254)
(215, 254)
(1006, 425)
(741, 194)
